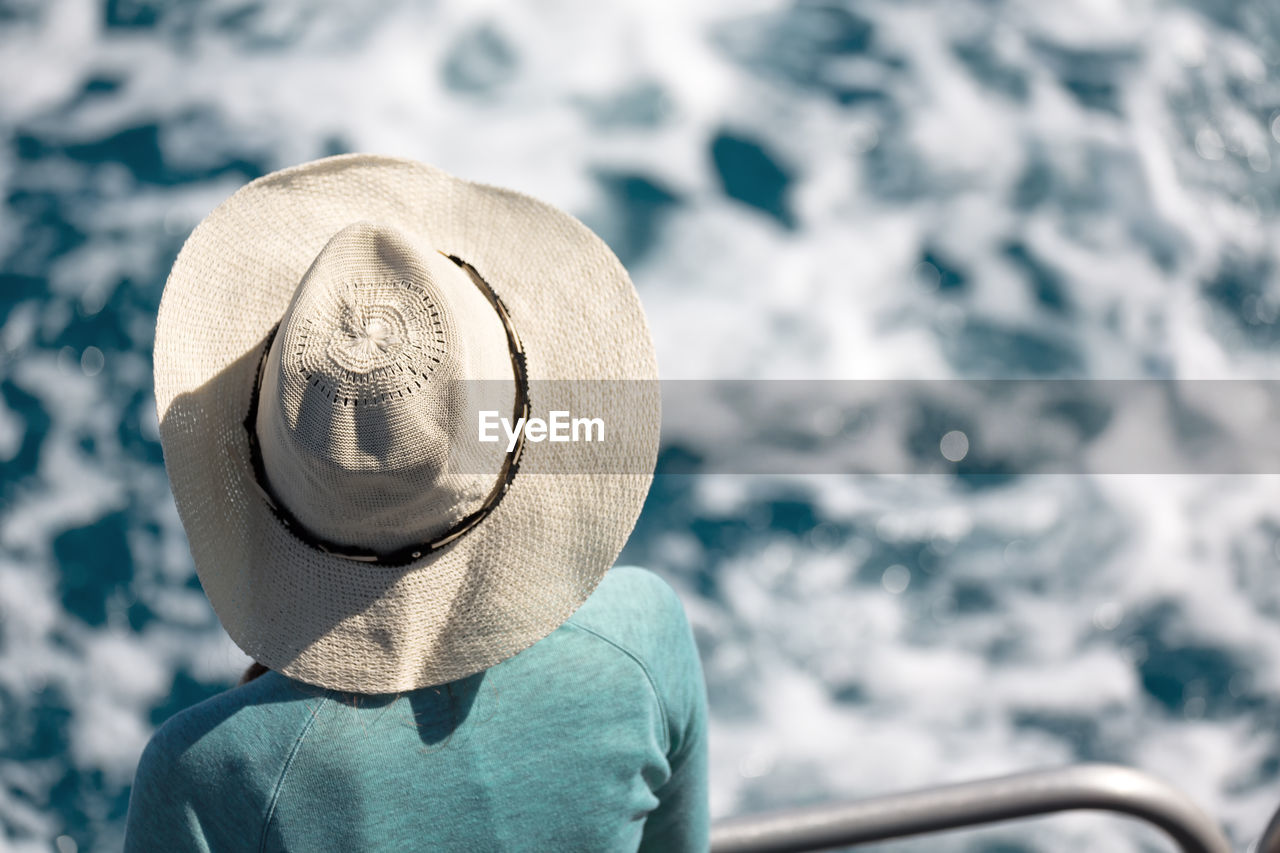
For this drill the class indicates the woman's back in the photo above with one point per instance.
(594, 738)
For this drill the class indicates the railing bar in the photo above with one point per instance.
(1270, 840)
(1087, 786)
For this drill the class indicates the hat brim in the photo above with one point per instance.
(525, 568)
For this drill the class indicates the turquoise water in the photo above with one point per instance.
(805, 190)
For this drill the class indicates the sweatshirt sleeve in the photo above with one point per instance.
(162, 815)
(682, 821)
(205, 780)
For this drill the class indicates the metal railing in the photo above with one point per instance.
(1105, 787)
(1270, 840)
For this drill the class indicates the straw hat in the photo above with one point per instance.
(326, 340)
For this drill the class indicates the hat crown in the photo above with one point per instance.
(368, 403)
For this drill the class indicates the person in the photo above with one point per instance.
(445, 656)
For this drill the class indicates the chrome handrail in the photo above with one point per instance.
(1270, 840)
(1106, 787)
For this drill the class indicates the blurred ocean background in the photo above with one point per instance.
(816, 190)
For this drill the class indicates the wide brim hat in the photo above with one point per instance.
(552, 525)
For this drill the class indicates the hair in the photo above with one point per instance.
(351, 698)
(253, 671)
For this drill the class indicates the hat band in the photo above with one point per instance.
(409, 553)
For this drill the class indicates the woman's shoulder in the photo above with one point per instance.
(641, 616)
(220, 761)
(631, 588)
(638, 611)
(259, 718)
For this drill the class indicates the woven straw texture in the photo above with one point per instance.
(371, 394)
(329, 245)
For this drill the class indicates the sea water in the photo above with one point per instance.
(811, 190)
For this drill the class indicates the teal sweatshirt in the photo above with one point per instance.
(592, 739)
